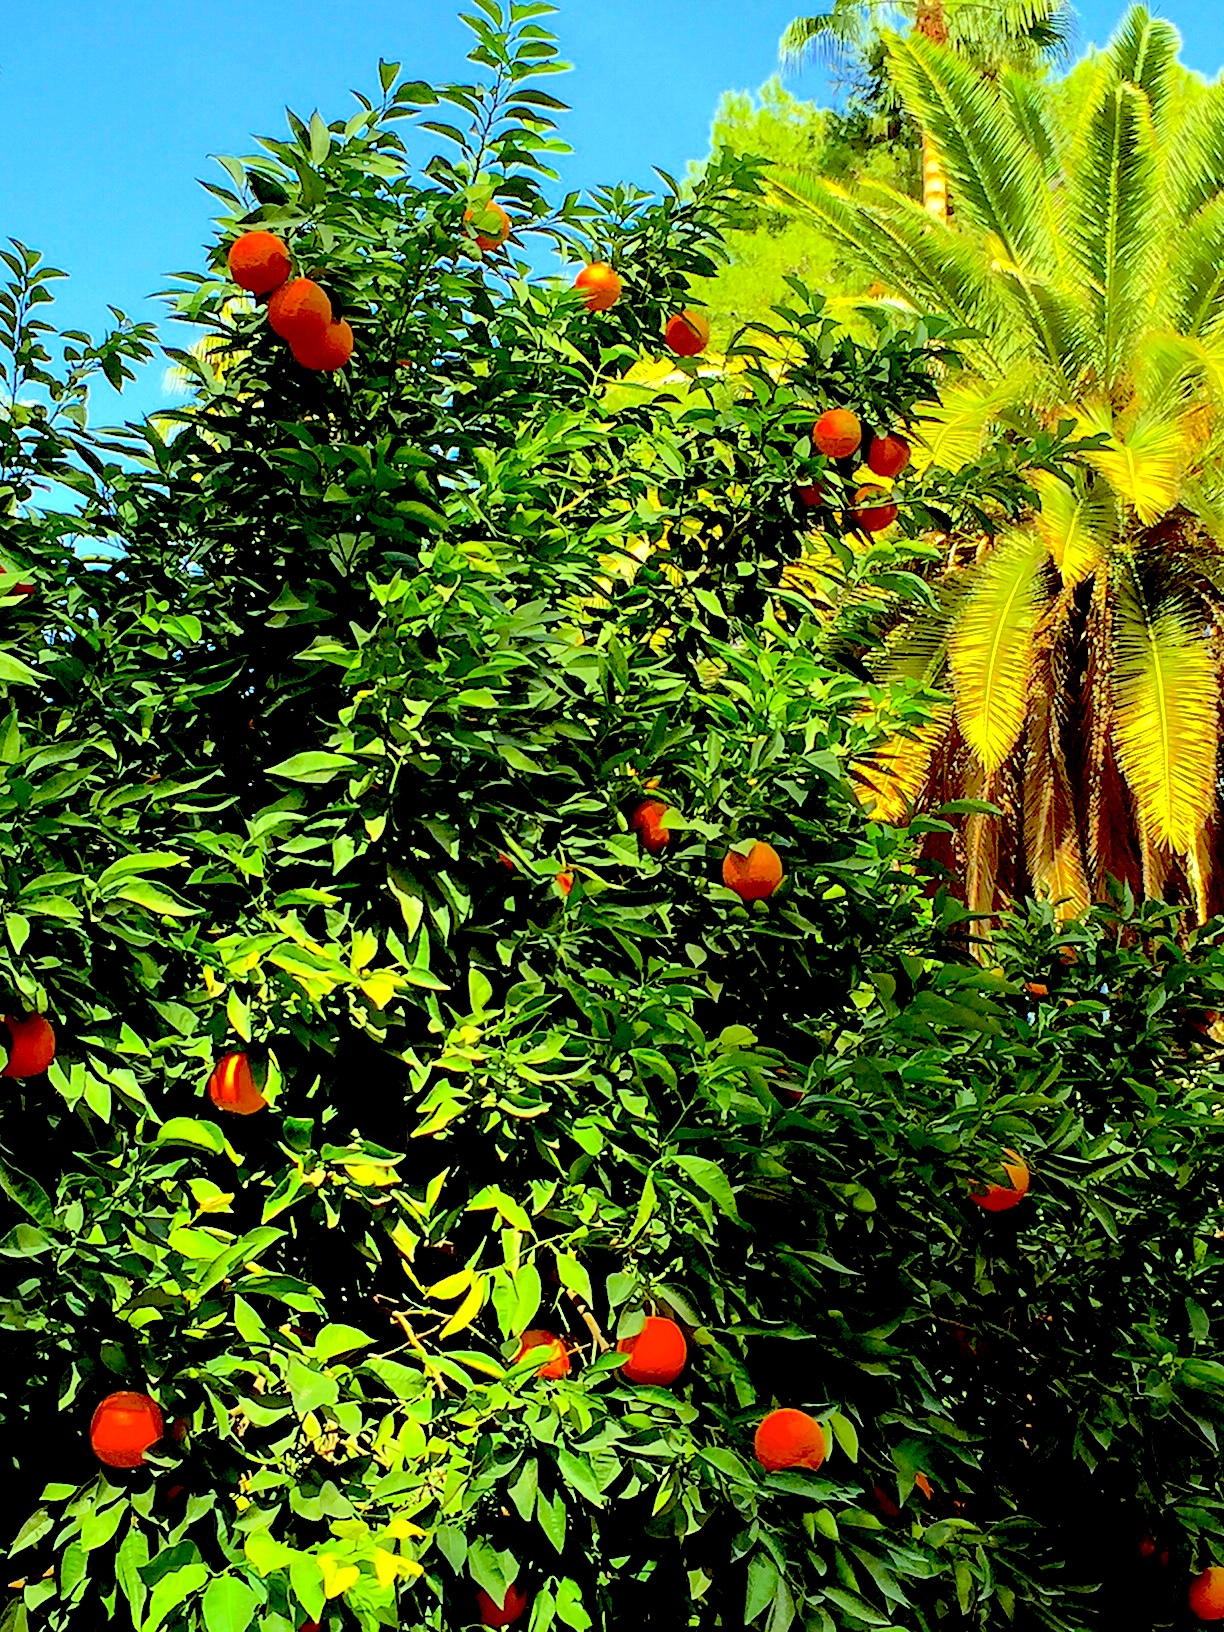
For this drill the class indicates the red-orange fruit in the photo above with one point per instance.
(326, 351)
(507, 861)
(259, 261)
(922, 1483)
(32, 1045)
(645, 823)
(837, 433)
(600, 285)
(657, 1354)
(788, 1439)
(687, 333)
(811, 495)
(564, 881)
(998, 1198)
(888, 455)
(299, 310)
(491, 240)
(1207, 1594)
(873, 518)
(231, 1087)
(1036, 988)
(753, 877)
(123, 1428)
(558, 1363)
(512, 1609)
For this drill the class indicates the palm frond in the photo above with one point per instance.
(889, 783)
(952, 431)
(981, 838)
(1165, 715)
(991, 650)
(829, 39)
(1143, 465)
(1192, 290)
(1111, 208)
(1077, 524)
(996, 177)
(1194, 163)
(1143, 53)
(1016, 33)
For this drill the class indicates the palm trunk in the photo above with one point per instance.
(931, 23)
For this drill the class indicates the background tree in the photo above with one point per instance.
(992, 34)
(1080, 648)
(378, 656)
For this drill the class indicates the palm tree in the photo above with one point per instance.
(1083, 648)
(993, 34)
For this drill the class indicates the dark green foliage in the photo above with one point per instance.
(358, 639)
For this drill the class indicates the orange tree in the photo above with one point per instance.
(387, 1039)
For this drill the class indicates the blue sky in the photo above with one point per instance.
(109, 109)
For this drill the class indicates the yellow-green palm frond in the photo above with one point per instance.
(1192, 297)
(995, 176)
(1143, 464)
(1143, 53)
(991, 649)
(890, 781)
(1194, 164)
(1112, 205)
(1165, 704)
(952, 431)
(891, 237)
(1077, 524)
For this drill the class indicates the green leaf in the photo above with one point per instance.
(190, 1130)
(763, 1581)
(320, 139)
(142, 894)
(846, 1435)
(28, 1195)
(17, 673)
(336, 1339)
(709, 1177)
(171, 1591)
(314, 767)
(229, 1604)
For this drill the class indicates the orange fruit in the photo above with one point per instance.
(231, 1087)
(494, 236)
(32, 1048)
(507, 861)
(687, 333)
(123, 1427)
(994, 1197)
(788, 1439)
(1036, 988)
(558, 1363)
(565, 882)
(327, 349)
(873, 518)
(837, 433)
(645, 823)
(888, 455)
(1207, 1594)
(753, 877)
(299, 310)
(811, 495)
(657, 1354)
(512, 1608)
(259, 261)
(601, 286)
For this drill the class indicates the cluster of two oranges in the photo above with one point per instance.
(838, 434)
(656, 1355)
(754, 874)
(299, 309)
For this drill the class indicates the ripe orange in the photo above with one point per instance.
(299, 310)
(494, 236)
(837, 433)
(231, 1087)
(811, 495)
(32, 1048)
(327, 350)
(558, 1365)
(753, 877)
(565, 882)
(657, 1354)
(873, 518)
(512, 1608)
(888, 455)
(645, 823)
(259, 261)
(687, 333)
(123, 1427)
(994, 1197)
(1207, 1594)
(788, 1439)
(601, 286)
(507, 861)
